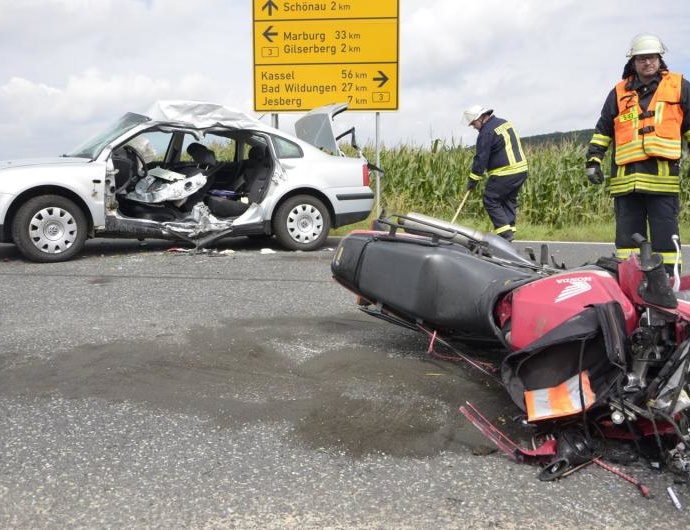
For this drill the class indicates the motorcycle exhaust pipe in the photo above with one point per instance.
(417, 222)
(495, 245)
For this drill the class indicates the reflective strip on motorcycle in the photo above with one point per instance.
(561, 400)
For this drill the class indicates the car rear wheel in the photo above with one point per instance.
(49, 228)
(302, 223)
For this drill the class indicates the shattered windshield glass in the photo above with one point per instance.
(93, 146)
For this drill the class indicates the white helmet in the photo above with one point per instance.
(645, 43)
(474, 113)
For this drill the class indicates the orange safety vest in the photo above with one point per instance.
(654, 133)
(561, 400)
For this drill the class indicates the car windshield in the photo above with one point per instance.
(93, 146)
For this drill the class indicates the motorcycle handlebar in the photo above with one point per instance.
(648, 261)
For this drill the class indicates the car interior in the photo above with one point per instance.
(179, 178)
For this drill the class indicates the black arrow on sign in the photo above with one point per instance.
(270, 5)
(383, 78)
(268, 33)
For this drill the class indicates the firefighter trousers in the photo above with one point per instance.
(636, 212)
(500, 202)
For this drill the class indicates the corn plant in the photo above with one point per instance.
(431, 180)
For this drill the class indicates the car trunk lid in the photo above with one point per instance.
(316, 127)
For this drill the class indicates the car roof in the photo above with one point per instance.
(200, 114)
(315, 129)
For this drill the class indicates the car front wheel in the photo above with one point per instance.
(302, 223)
(49, 228)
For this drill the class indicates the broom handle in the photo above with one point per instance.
(461, 205)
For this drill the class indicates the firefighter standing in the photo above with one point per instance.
(499, 154)
(645, 116)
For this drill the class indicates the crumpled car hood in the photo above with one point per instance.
(53, 161)
(199, 114)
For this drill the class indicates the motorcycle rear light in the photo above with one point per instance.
(365, 175)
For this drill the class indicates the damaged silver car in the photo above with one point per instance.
(190, 171)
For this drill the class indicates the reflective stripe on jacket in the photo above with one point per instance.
(653, 133)
(652, 174)
(561, 400)
(499, 150)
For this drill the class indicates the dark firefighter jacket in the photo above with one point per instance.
(645, 124)
(499, 151)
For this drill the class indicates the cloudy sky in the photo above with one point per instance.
(70, 67)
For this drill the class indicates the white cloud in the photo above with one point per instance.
(68, 67)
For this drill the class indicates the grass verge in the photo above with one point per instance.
(595, 232)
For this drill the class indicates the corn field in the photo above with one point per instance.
(556, 194)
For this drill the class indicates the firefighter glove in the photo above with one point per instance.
(471, 184)
(594, 173)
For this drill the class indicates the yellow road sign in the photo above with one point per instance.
(304, 87)
(309, 53)
(325, 41)
(323, 9)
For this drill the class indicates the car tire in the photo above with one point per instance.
(49, 228)
(302, 222)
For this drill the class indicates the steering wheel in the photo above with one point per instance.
(132, 152)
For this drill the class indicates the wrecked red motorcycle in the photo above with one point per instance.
(592, 353)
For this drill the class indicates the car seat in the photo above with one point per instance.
(257, 173)
(254, 176)
(202, 156)
(254, 157)
(205, 160)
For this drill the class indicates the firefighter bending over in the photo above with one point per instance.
(498, 153)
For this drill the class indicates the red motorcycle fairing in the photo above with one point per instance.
(538, 307)
(683, 309)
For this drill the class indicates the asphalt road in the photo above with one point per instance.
(145, 388)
